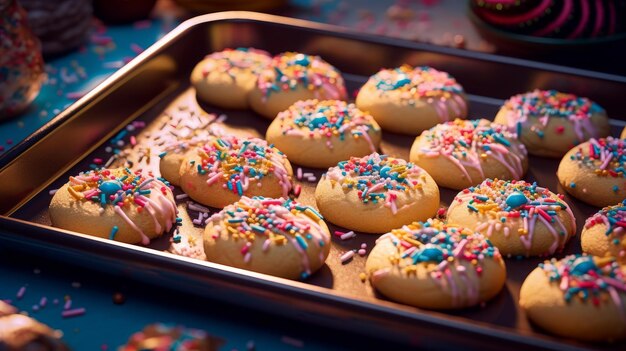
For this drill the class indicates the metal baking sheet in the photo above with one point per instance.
(157, 82)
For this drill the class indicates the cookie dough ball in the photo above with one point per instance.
(519, 218)
(437, 266)
(226, 168)
(604, 233)
(461, 153)
(167, 337)
(292, 77)
(409, 100)
(550, 123)
(321, 133)
(182, 131)
(19, 332)
(225, 78)
(118, 204)
(376, 193)
(579, 297)
(593, 172)
(278, 237)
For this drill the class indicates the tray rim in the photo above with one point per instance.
(38, 233)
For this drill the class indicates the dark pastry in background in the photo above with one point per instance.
(21, 333)
(61, 25)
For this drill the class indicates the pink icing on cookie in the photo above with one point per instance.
(276, 222)
(503, 201)
(546, 104)
(464, 143)
(327, 119)
(435, 87)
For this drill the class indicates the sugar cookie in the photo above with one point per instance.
(225, 78)
(376, 193)
(316, 133)
(410, 100)
(580, 297)
(435, 265)
(22, 333)
(183, 130)
(594, 171)
(604, 233)
(292, 77)
(226, 168)
(119, 204)
(463, 153)
(519, 218)
(549, 122)
(273, 236)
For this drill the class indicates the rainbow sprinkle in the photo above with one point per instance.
(182, 129)
(467, 143)
(233, 61)
(546, 104)
(328, 119)
(378, 178)
(238, 162)
(614, 218)
(274, 222)
(446, 250)
(587, 278)
(291, 70)
(503, 205)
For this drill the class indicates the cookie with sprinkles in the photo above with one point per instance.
(409, 100)
(519, 218)
(225, 78)
(295, 76)
(580, 297)
(279, 237)
(321, 133)
(594, 171)
(227, 168)
(463, 153)
(604, 233)
(20, 332)
(376, 193)
(436, 265)
(117, 204)
(163, 337)
(550, 122)
(182, 130)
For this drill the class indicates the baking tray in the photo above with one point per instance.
(157, 81)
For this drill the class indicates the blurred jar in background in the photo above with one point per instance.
(21, 64)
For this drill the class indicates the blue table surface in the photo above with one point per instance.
(106, 325)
